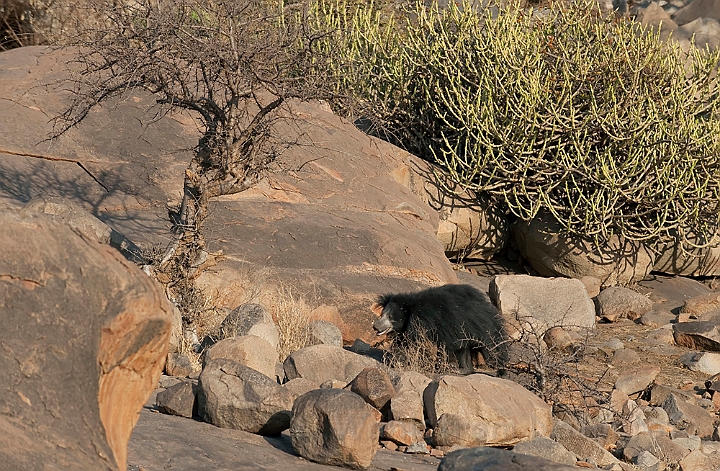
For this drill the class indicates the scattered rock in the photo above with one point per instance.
(179, 399)
(374, 386)
(335, 427)
(232, 395)
(655, 318)
(417, 448)
(267, 331)
(708, 363)
(407, 406)
(557, 338)
(649, 462)
(637, 379)
(544, 447)
(325, 333)
(617, 302)
(242, 319)
(247, 350)
(581, 445)
(699, 461)
(603, 434)
(180, 364)
(655, 16)
(660, 392)
(625, 356)
(402, 433)
(592, 285)
(633, 419)
(702, 304)
(701, 335)
(299, 386)
(689, 417)
(480, 410)
(663, 335)
(320, 363)
(698, 9)
(538, 304)
(493, 459)
(657, 443)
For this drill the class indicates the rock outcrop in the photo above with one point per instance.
(84, 338)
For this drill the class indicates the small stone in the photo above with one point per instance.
(592, 285)
(389, 445)
(704, 362)
(657, 318)
(248, 350)
(546, 448)
(324, 332)
(694, 419)
(699, 335)
(335, 427)
(603, 434)
(374, 386)
(698, 461)
(616, 302)
(625, 356)
(333, 384)
(180, 364)
(637, 380)
(437, 453)
(691, 443)
(648, 461)
(402, 433)
(179, 399)
(418, 448)
(299, 386)
(557, 339)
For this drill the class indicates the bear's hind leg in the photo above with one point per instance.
(465, 362)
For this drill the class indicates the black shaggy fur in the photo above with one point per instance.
(458, 317)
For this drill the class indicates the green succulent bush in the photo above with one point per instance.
(563, 110)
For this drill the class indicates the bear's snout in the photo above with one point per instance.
(382, 325)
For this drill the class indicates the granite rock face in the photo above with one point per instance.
(85, 334)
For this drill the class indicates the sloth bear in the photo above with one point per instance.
(457, 317)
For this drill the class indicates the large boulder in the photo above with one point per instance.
(691, 261)
(617, 301)
(479, 410)
(336, 225)
(84, 335)
(535, 304)
(231, 395)
(321, 363)
(550, 253)
(247, 350)
(335, 427)
(492, 459)
(469, 225)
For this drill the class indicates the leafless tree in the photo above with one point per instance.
(233, 63)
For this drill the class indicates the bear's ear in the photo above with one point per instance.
(377, 309)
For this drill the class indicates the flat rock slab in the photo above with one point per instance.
(493, 459)
(669, 293)
(701, 335)
(161, 442)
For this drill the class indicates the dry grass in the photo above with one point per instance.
(419, 353)
(292, 317)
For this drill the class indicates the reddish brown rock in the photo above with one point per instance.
(478, 410)
(373, 385)
(335, 427)
(84, 336)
